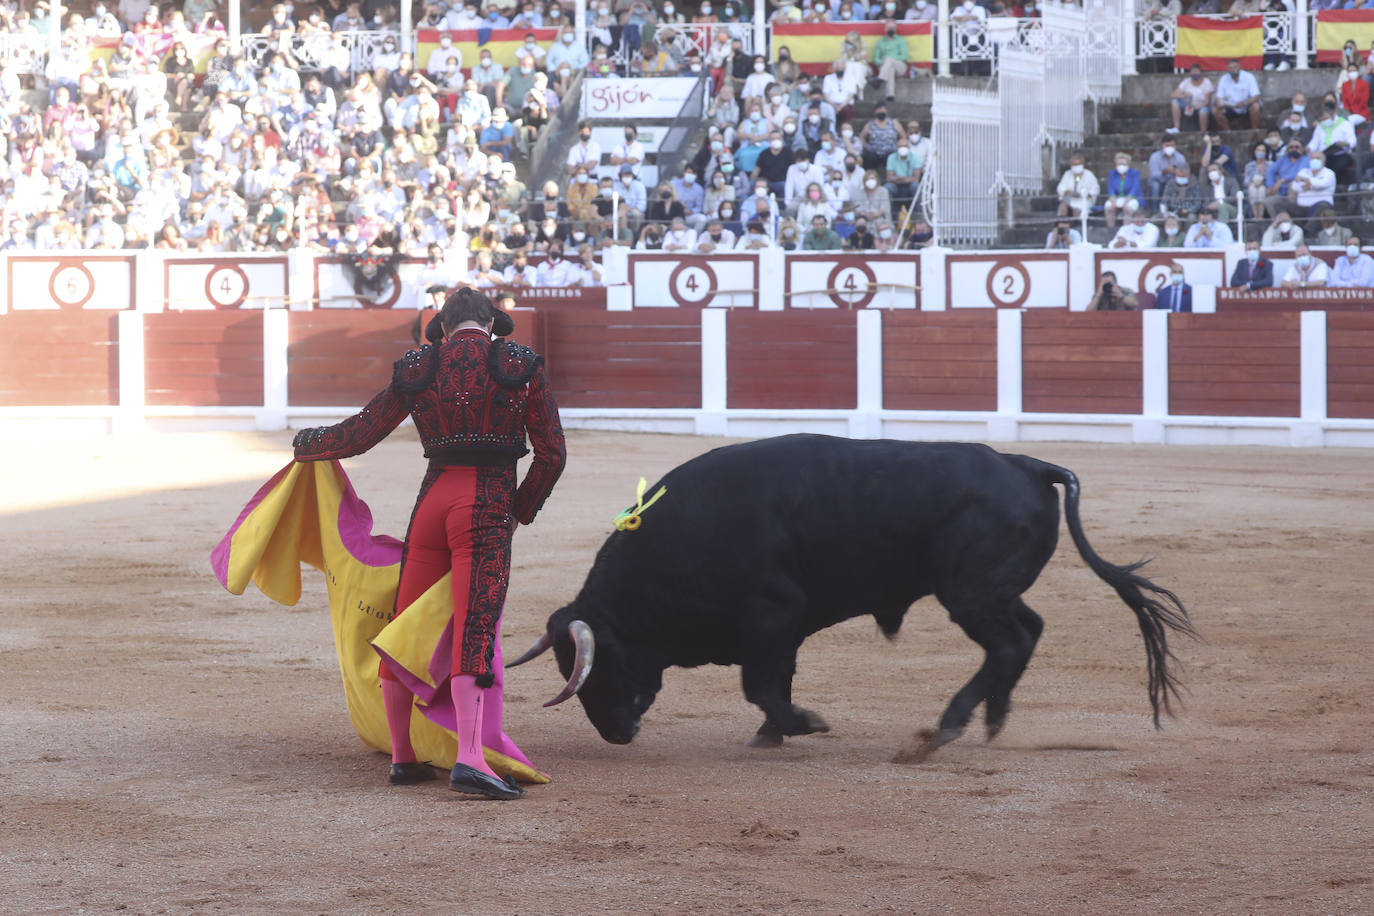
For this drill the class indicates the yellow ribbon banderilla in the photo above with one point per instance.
(629, 520)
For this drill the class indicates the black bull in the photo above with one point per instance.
(756, 546)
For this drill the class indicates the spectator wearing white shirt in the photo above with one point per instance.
(586, 151)
(754, 238)
(756, 86)
(1315, 186)
(631, 152)
(715, 238)
(1237, 95)
(1306, 271)
(1078, 188)
(970, 18)
(519, 272)
(1192, 97)
(1138, 233)
(800, 174)
(438, 66)
(554, 271)
(1335, 137)
(1207, 232)
(830, 157)
(679, 238)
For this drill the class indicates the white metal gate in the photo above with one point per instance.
(1021, 93)
(1102, 52)
(1066, 83)
(966, 148)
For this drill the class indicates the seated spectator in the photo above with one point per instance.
(1078, 189)
(773, 165)
(511, 91)
(1172, 235)
(554, 271)
(1331, 234)
(1307, 272)
(1280, 174)
(1314, 187)
(1062, 235)
(838, 91)
(650, 238)
(1137, 233)
(754, 237)
(1182, 196)
(1112, 296)
(679, 238)
(587, 151)
(821, 237)
(890, 58)
(1208, 232)
(1354, 90)
(1254, 271)
(587, 271)
(564, 59)
(1237, 96)
(1256, 170)
(693, 197)
(631, 152)
(815, 203)
(1124, 193)
(633, 195)
(665, 207)
(880, 138)
(1166, 163)
(519, 272)
(715, 238)
(1214, 152)
(903, 173)
(498, 137)
(1352, 269)
(653, 60)
(1192, 97)
(873, 202)
(1176, 295)
(1220, 192)
(801, 175)
(1334, 137)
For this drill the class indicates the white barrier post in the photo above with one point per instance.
(130, 418)
(1154, 371)
(773, 266)
(1312, 360)
(932, 296)
(276, 341)
(866, 421)
(1300, 36)
(1005, 425)
(711, 419)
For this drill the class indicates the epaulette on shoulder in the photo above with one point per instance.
(415, 371)
(512, 364)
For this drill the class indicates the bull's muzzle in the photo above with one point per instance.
(584, 650)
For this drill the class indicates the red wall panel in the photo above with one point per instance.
(67, 358)
(1234, 365)
(1081, 362)
(1350, 364)
(203, 359)
(648, 358)
(940, 360)
(791, 359)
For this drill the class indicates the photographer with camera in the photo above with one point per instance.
(1111, 296)
(1062, 235)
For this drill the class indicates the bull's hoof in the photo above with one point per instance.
(814, 724)
(995, 729)
(924, 743)
(766, 739)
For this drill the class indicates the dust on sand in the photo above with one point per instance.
(170, 748)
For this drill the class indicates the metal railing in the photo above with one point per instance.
(688, 123)
(310, 50)
(1159, 37)
(688, 38)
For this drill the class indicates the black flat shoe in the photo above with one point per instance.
(473, 781)
(407, 774)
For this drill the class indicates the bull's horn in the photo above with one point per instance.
(584, 648)
(541, 645)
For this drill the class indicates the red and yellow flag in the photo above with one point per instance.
(1210, 43)
(504, 44)
(815, 46)
(1336, 27)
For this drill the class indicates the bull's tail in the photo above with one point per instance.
(1156, 608)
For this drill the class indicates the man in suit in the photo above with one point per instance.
(1175, 296)
(1253, 272)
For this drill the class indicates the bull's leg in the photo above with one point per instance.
(998, 703)
(770, 733)
(764, 682)
(994, 627)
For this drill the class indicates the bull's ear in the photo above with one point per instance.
(541, 645)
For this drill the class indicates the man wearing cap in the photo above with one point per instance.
(468, 504)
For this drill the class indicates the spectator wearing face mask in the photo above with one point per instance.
(1078, 188)
(631, 152)
(715, 238)
(1314, 187)
(873, 202)
(1354, 90)
(1280, 174)
(1176, 295)
(1208, 232)
(1166, 163)
(1124, 194)
(1330, 233)
(1219, 192)
(815, 203)
(830, 157)
(1282, 232)
(1139, 232)
(800, 175)
(633, 196)
(820, 237)
(582, 194)
(692, 195)
(1307, 272)
(1353, 268)
(773, 164)
(920, 11)
(1334, 138)
(891, 57)
(488, 76)
(1253, 271)
(566, 50)
(1182, 196)
(903, 174)
(511, 91)
(880, 138)
(586, 151)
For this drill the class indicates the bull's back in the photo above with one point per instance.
(844, 526)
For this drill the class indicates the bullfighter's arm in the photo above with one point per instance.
(550, 451)
(355, 435)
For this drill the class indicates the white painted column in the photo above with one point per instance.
(1128, 48)
(300, 279)
(1082, 276)
(772, 279)
(580, 26)
(235, 26)
(1205, 299)
(711, 419)
(1005, 426)
(408, 30)
(1313, 376)
(761, 31)
(130, 418)
(932, 296)
(276, 340)
(1154, 370)
(1300, 37)
(942, 35)
(55, 10)
(866, 422)
(150, 281)
(4, 286)
(615, 268)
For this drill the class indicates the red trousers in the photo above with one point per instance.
(462, 525)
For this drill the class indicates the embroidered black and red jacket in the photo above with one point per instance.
(474, 401)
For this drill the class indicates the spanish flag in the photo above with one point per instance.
(199, 47)
(815, 46)
(1336, 27)
(1210, 43)
(504, 44)
(309, 513)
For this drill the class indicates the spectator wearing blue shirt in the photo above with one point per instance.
(1352, 269)
(1207, 232)
(1124, 193)
(498, 136)
(693, 197)
(1279, 177)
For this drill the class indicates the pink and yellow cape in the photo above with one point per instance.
(309, 513)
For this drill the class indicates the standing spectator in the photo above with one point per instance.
(1207, 232)
(1166, 164)
(1355, 95)
(820, 237)
(1078, 188)
(1307, 272)
(1177, 296)
(1237, 95)
(1192, 97)
(837, 91)
(1253, 271)
(1124, 193)
(587, 151)
(1138, 233)
(1352, 269)
(890, 58)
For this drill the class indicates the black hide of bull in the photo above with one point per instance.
(756, 546)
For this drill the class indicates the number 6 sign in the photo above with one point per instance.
(71, 285)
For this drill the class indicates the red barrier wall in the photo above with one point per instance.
(67, 358)
(623, 359)
(791, 359)
(1081, 362)
(1349, 371)
(343, 357)
(940, 360)
(1234, 365)
(203, 359)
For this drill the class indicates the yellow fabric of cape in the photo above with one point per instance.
(296, 518)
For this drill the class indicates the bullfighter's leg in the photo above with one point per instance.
(999, 702)
(763, 686)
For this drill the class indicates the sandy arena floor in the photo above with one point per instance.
(167, 747)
